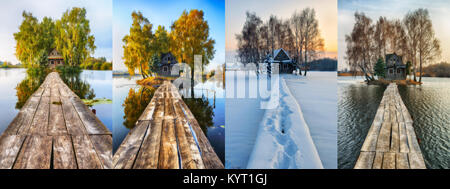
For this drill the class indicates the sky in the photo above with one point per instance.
(99, 13)
(165, 13)
(326, 11)
(393, 9)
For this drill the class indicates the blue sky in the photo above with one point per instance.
(393, 9)
(99, 12)
(165, 13)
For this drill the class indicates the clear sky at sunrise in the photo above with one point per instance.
(99, 13)
(393, 9)
(165, 13)
(326, 11)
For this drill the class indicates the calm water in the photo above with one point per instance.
(429, 105)
(208, 107)
(98, 83)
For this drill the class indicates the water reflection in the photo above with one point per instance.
(135, 103)
(27, 87)
(80, 87)
(202, 110)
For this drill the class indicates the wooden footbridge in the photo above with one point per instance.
(391, 142)
(166, 136)
(55, 129)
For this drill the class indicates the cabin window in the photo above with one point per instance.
(165, 69)
(399, 71)
(391, 71)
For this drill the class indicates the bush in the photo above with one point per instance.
(106, 66)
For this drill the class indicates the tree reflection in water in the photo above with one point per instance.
(81, 88)
(202, 111)
(135, 104)
(27, 86)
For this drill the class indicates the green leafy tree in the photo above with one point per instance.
(379, 68)
(74, 40)
(161, 41)
(33, 39)
(408, 68)
(137, 49)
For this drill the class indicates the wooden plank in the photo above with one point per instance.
(148, 157)
(74, 125)
(92, 124)
(103, 146)
(402, 161)
(383, 143)
(389, 160)
(85, 153)
(39, 125)
(125, 155)
(168, 154)
(56, 124)
(189, 151)
(22, 122)
(378, 161)
(365, 160)
(395, 140)
(9, 149)
(209, 156)
(35, 153)
(403, 138)
(63, 154)
(412, 140)
(416, 160)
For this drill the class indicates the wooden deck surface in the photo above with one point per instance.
(55, 129)
(166, 136)
(391, 142)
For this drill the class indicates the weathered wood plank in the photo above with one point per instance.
(63, 154)
(9, 149)
(189, 151)
(125, 155)
(383, 143)
(365, 160)
(56, 124)
(402, 161)
(103, 146)
(416, 160)
(74, 125)
(22, 122)
(35, 153)
(92, 124)
(389, 160)
(168, 154)
(395, 140)
(148, 157)
(39, 125)
(378, 161)
(85, 153)
(403, 138)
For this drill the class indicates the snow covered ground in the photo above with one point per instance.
(317, 96)
(283, 139)
(299, 133)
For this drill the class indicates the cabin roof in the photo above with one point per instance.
(54, 54)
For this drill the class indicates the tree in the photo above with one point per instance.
(190, 36)
(137, 47)
(379, 68)
(313, 42)
(408, 68)
(154, 64)
(249, 39)
(297, 25)
(361, 51)
(160, 41)
(33, 39)
(428, 46)
(73, 39)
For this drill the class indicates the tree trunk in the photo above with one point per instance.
(420, 68)
(192, 81)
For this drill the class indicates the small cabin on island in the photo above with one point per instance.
(281, 57)
(168, 60)
(55, 59)
(395, 68)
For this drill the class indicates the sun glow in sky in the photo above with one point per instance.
(393, 9)
(326, 11)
